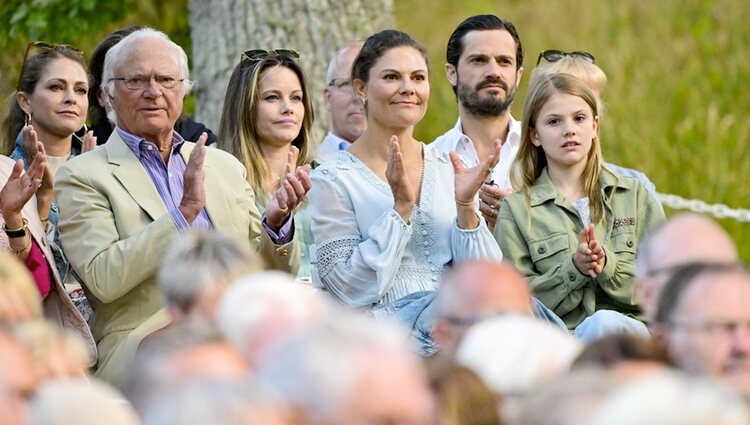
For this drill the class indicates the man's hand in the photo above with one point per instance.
(290, 193)
(194, 187)
(491, 196)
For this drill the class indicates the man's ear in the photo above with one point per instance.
(519, 75)
(327, 98)
(451, 74)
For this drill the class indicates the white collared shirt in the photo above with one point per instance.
(454, 140)
(329, 146)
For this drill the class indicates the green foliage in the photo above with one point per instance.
(676, 104)
(82, 23)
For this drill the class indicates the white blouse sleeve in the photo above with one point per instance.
(357, 269)
(474, 244)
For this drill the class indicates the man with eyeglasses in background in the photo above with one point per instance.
(703, 321)
(122, 203)
(682, 239)
(348, 120)
(484, 66)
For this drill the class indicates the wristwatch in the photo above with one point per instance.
(16, 233)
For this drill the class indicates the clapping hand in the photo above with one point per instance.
(290, 193)
(468, 180)
(21, 186)
(589, 257)
(193, 180)
(403, 189)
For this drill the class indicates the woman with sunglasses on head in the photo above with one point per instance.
(573, 227)
(583, 65)
(99, 108)
(267, 123)
(391, 213)
(50, 106)
(51, 85)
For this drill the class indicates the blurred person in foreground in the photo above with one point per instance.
(682, 239)
(348, 369)
(514, 355)
(122, 204)
(703, 321)
(474, 291)
(260, 311)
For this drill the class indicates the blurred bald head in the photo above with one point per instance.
(475, 290)
(682, 239)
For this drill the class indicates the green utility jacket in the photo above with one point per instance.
(540, 236)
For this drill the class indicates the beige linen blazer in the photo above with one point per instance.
(116, 229)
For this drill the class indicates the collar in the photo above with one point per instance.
(513, 138)
(138, 145)
(545, 190)
(337, 142)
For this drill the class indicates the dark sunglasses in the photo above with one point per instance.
(556, 55)
(43, 45)
(254, 55)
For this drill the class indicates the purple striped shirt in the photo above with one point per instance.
(168, 181)
(166, 177)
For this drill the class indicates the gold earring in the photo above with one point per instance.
(27, 119)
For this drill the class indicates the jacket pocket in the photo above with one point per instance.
(548, 247)
(624, 242)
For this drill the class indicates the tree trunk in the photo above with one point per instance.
(222, 29)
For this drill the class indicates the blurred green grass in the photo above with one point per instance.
(677, 100)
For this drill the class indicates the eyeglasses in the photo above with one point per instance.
(343, 84)
(43, 45)
(140, 82)
(254, 55)
(724, 329)
(556, 55)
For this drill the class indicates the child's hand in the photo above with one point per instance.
(589, 255)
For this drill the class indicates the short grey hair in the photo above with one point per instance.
(198, 259)
(255, 301)
(672, 398)
(336, 59)
(318, 369)
(118, 56)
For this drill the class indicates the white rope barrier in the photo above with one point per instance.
(696, 205)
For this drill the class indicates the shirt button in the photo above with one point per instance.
(284, 253)
(426, 243)
(325, 171)
(426, 252)
(629, 243)
(572, 277)
(434, 278)
(149, 147)
(541, 250)
(424, 232)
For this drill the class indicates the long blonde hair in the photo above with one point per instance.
(531, 160)
(238, 131)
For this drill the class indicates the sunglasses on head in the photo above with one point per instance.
(43, 45)
(556, 55)
(254, 55)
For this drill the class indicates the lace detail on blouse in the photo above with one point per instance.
(334, 251)
(345, 158)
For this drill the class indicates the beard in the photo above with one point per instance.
(484, 106)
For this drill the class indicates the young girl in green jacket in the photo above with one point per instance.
(573, 227)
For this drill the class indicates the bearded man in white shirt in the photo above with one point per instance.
(484, 66)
